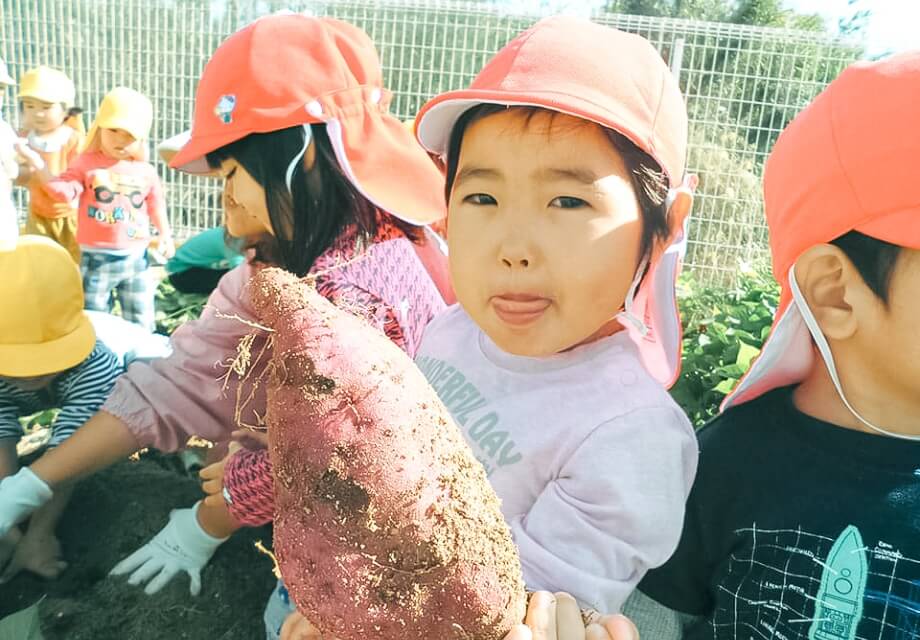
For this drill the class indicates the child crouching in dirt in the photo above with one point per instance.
(49, 358)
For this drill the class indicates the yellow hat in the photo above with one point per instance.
(122, 108)
(48, 85)
(43, 328)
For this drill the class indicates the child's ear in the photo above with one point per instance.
(833, 289)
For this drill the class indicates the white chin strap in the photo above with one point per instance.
(828, 357)
(626, 316)
(289, 174)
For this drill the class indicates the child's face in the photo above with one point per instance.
(544, 231)
(245, 208)
(42, 117)
(895, 360)
(119, 144)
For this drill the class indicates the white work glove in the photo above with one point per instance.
(20, 495)
(182, 545)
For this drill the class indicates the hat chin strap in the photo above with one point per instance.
(626, 316)
(289, 174)
(828, 357)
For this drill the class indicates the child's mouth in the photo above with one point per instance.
(519, 310)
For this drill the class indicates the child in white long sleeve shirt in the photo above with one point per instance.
(564, 245)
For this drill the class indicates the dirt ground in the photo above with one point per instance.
(111, 515)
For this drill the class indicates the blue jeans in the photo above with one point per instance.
(278, 608)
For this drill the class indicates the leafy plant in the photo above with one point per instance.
(174, 308)
(724, 330)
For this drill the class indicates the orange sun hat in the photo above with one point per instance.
(286, 70)
(847, 162)
(619, 81)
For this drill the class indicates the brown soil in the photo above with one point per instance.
(112, 514)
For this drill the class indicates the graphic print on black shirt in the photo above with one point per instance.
(797, 529)
(794, 584)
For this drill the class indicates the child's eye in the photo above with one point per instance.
(568, 202)
(480, 199)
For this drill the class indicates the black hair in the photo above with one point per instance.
(648, 179)
(321, 204)
(874, 259)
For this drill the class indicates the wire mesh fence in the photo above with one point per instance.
(742, 83)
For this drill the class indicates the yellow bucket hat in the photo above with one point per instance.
(43, 328)
(48, 85)
(122, 108)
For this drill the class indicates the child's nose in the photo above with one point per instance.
(515, 255)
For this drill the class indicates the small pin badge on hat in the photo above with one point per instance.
(225, 107)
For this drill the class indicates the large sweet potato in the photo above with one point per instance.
(385, 524)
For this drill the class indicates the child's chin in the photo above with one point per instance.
(524, 343)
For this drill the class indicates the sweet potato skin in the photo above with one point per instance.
(385, 524)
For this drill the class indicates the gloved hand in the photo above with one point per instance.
(182, 545)
(20, 495)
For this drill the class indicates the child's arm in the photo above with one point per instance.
(66, 187)
(193, 391)
(248, 481)
(613, 511)
(10, 428)
(156, 209)
(84, 391)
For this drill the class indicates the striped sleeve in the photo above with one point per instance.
(83, 391)
(10, 410)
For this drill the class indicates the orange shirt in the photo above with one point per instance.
(119, 200)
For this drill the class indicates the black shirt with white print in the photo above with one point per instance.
(797, 529)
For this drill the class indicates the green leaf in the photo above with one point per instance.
(22, 625)
(725, 386)
(746, 353)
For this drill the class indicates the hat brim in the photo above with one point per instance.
(191, 155)
(169, 148)
(375, 150)
(901, 228)
(385, 162)
(123, 123)
(436, 120)
(30, 360)
(786, 357)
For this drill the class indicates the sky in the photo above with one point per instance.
(893, 25)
